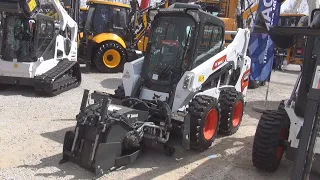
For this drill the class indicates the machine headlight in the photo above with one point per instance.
(43, 27)
(188, 81)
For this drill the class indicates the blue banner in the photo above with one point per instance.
(261, 47)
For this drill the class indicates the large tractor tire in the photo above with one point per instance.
(110, 57)
(231, 107)
(204, 121)
(268, 146)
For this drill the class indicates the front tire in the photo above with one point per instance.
(204, 121)
(110, 57)
(268, 147)
(231, 105)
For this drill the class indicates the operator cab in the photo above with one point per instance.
(26, 35)
(82, 17)
(105, 16)
(181, 39)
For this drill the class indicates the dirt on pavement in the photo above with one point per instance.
(32, 131)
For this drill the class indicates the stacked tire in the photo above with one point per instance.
(268, 145)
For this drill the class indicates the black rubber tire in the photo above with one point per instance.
(199, 108)
(168, 150)
(67, 143)
(254, 84)
(228, 100)
(273, 127)
(98, 59)
(262, 83)
(119, 92)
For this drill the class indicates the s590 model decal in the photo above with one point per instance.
(219, 62)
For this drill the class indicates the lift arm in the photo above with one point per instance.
(64, 17)
(65, 20)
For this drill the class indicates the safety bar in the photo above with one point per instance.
(231, 32)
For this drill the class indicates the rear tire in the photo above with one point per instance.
(231, 105)
(110, 57)
(204, 121)
(268, 149)
(254, 84)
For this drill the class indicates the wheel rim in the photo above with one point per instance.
(280, 148)
(237, 114)
(111, 58)
(211, 124)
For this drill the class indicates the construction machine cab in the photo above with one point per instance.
(107, 37)
(26, 35)
(181, 39)
(104, 16)
(82, 17)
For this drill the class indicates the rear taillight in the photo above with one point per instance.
(299, 51)
(148, 31)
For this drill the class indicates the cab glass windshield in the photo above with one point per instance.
(170, 42)
(109, 18)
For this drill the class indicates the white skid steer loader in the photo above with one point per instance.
(185, 86)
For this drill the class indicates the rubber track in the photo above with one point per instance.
(267, 139)
(197, 109)
(56, 80)
(227, 99)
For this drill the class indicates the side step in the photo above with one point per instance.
(64, 76)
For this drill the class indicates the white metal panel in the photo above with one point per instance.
(183, 95)
(147, 94)
(131, 73)
(16, 69)
(45, 66)
(296, 123)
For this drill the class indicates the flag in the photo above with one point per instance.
(261, 47)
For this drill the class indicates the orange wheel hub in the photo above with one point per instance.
(211, 124)
(280, 148)
(237, 114)
(111, 58)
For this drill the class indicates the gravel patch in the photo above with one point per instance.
(32, 131)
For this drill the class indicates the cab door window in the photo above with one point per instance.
(210, 44)
(109, 18)
(45, 43)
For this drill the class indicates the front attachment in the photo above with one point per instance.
(104, 137)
